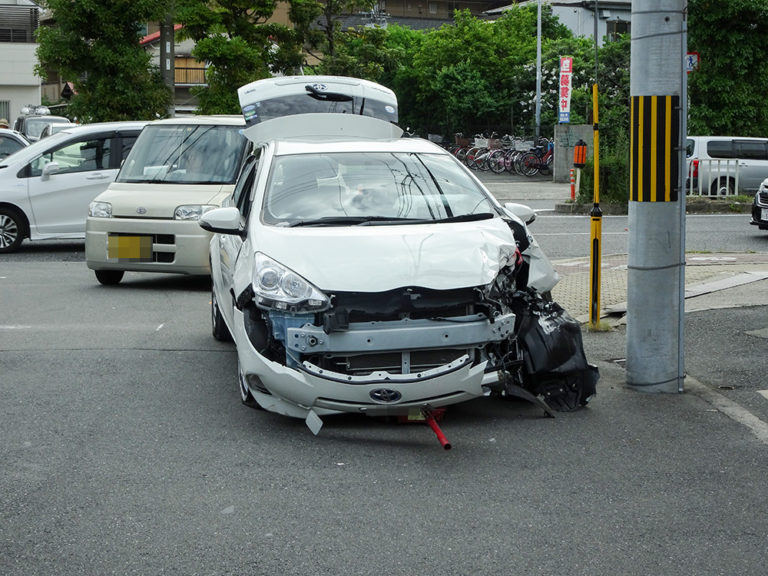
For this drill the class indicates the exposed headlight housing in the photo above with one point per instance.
(280, 288)
(100, 209)
(191, 211)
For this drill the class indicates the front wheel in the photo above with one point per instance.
(218, 326)
(109, 277)
(11, 230)
(245, 393)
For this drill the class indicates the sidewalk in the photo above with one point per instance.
(704, 274)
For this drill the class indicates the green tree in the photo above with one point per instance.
(363, 53)
(329, 24)
(95, 45)
(240, 44)
(472, 75)
(727, 91)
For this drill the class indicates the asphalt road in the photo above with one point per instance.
(125, 450)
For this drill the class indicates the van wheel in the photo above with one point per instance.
(722, 187)
(109, 277)
(12, 230)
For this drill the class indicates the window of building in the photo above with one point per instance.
(18, 24)
(614, 28)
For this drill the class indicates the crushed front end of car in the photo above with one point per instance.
(399, 351)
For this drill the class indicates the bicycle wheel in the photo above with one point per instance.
(471, 158)
(496, 162)
(482, 159)
(545, 167)
(530, 164)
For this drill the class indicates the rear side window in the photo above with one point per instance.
(720, 149)
(751, 149)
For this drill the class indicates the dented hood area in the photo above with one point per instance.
(379, 258)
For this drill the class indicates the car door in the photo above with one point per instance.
(753, 163)
(65, 179)
(230, 244)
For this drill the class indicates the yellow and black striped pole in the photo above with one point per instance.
(655, 134)
(596, 216)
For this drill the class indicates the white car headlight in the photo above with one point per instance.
(100, 209)
(191, 211)
(276, 286)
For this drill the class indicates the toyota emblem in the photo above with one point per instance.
(385, 395)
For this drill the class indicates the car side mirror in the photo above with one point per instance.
(525, 213)
(222, 221)
(48, 169)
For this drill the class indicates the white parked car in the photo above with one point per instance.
(361, 272)
(146, 221)
(45, 188)
(10, 142)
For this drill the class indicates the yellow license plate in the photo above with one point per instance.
(129, 247)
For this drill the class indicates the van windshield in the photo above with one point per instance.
(185, 154)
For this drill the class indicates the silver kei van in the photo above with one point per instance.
(725, 165)
(146, 221)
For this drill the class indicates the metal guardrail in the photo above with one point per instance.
(715, 172)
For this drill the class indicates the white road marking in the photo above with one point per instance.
(730, 408)
(763, 393)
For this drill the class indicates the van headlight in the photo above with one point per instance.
(100, 209)
(191, 211)
(278, 287)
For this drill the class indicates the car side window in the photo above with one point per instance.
(8, 146)
(81, 156)
(126, 143)
(241, 197)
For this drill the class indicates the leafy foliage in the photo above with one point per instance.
(96, 44)
(240, 44)
(727, 92)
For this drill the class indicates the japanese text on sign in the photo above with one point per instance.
(564, 92)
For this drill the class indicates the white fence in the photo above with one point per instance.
(713, 177)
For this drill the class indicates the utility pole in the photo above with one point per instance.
(168, 57)
(656, 265)
(538, 74)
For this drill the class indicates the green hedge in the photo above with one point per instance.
(614, 176)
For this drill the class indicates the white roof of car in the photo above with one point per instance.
(38, 147)
(215, 119)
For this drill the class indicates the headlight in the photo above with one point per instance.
(275, 286)
(100, 209)
(191, 211)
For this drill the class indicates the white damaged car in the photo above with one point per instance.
(358, 271)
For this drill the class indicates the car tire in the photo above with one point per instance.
(722, 187)
(218, 327)
(109, 277)
(12, 230)
(245, 394)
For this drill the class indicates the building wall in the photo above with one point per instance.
(18, 84)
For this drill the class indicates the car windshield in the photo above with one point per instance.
(185, 154)
(34, 126)
(371, 188)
